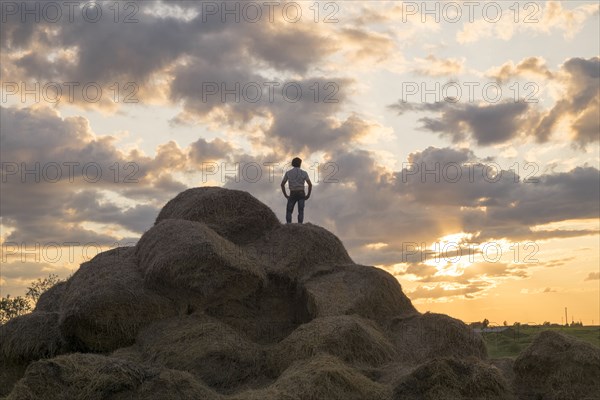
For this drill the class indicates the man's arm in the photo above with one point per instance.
(309, 183)
(283, 182)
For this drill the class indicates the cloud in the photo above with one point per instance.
(434, 66)
(365, 203)
(71, 178)
(530, 66)
(364, 46)
(441, 291)
(486, 124)
(593, 276)
(558, 262)
(498, 123)
(580, 103)
(533, 19)
(202, 150)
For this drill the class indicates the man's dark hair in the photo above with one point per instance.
(296, 162)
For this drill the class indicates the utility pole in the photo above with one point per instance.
(566, 319)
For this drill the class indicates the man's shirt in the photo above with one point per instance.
(296, 178)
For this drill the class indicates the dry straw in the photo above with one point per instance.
(556, 366)
(105, 303)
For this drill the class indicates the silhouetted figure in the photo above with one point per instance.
(296, 178)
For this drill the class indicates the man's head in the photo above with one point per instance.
(296, 162)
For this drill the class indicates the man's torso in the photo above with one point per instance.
(296, 178)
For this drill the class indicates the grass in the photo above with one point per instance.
(510, 342)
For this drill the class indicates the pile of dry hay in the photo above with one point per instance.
(236, 215)
(556, 366)
(218, 300)
(453, 378)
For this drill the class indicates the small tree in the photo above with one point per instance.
(11, 307)
(505, 323)
(485, 323)
(39, 286)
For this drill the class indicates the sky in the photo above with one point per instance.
(453, 144)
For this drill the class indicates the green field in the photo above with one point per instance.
(511, 341)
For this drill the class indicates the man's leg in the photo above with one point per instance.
(301, 209)
(289, 209)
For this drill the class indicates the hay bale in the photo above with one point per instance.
(51, 299)
(355, 340)
(450, 379)
(130, 353)
(10, 373)
(205, 347)
(170, 385)
(321, 377)
(97, 377)
(188, 260)
(31, 337)
(267, 315)
(558, 366)
(233, 214)
(299, 250)
(24, 339)
(357, 289)
(505, 366)
(420, 338)
(105, 303)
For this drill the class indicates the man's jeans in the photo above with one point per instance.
(295, 196)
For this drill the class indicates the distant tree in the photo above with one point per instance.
(546, 323)
(505, 323)
(485, 323)
(517, 324)
(39, 286)
(11, 307)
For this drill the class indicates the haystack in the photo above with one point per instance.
(299, 250)
(218, 300)
(205, 347)
(267, 315)
(26, 338)
(451, 379)
(357, 289)
(97, 377)
(557, 366)
(353, 339)
(233, 214)
(105, 303)
(505, 365)
(319, 378)
(188, 260)
(51, 299)
(422, 337)
(31, 337)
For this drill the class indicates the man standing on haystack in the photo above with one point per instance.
(296, 178)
